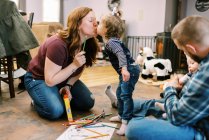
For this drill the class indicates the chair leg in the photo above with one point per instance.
(0, 77)
(10, 76)
(0, 88)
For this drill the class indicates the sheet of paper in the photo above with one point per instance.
(16, 74)
(73, 133)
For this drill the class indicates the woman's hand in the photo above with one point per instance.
(79, 59)
(65, 90)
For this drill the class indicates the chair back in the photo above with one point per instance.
(30, 19)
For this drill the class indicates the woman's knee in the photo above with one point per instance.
(90, 103)
(53, 112)
(83, 104)
(83, 99)
(56, 113)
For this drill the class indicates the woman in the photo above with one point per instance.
(59, 64)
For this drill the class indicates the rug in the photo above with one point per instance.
(152, 82)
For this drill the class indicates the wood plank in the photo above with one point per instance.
(99, 75)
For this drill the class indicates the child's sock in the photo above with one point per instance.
(109, 92)
(122, 129)
(115, 119)
(164, 115)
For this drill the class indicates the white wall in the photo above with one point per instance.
(35, 6)
(143, 17)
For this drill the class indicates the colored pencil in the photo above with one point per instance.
(93, 131)
(97, 136)
(84, 45)
(110, 126)
(87, 117)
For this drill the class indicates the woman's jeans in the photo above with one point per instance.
(124, 93)
(49, 103)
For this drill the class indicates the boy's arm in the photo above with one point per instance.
(125, 74)
(118, 51)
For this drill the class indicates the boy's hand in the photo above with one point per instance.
(125, 74)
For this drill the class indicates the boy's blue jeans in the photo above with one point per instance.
(124, 93)
(49, 103)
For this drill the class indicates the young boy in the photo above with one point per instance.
(111, 28)
(192, 68)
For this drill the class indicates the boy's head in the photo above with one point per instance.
(111, 26)
(192, 65)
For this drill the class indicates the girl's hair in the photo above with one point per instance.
(72, 37)
(192, 29)
(114, 25)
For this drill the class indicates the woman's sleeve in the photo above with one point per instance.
(56, 52)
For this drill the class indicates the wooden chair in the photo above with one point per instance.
(7, 67)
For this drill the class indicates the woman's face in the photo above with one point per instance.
(88, 25)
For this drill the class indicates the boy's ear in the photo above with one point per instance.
(190, 48)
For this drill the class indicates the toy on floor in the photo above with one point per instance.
(151, 65)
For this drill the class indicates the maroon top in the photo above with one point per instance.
(56, 50)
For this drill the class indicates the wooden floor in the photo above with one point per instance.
(96, 76)
(19, 120)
